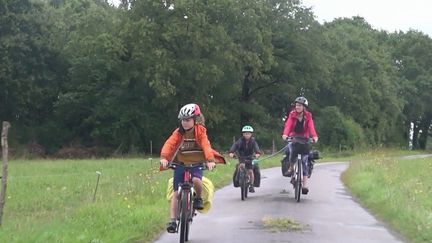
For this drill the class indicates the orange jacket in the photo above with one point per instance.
(173, 142)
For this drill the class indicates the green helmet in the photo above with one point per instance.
(247, 129)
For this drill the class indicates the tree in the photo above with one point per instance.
(363, 80)
(412, 58)
(28, 67)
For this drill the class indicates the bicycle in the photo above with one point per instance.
(186, 196)
(301, 147)
(243, 177)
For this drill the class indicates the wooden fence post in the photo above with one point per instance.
(151, 148)
(4, 144)
(273, 146)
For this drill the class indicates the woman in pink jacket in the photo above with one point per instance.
(299, 124)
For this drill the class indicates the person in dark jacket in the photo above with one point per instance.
(246, 147)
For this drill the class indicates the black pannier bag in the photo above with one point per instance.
(236, 182)
(285, 164)
(257, 176)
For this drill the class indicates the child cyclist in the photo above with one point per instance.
(188, 145)
(299, 123)
(246, 147)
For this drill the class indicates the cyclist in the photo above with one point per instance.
(246, 147)
(299, 123)
(189, 145)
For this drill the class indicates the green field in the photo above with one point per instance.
(396, 190)
(52, 201)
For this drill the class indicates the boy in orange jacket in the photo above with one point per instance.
(188, 144)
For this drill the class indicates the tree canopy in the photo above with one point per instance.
(88, 74)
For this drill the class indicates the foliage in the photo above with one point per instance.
(340, 131)
(85, 73)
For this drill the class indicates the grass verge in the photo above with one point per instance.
(397, 190)
(52, 200)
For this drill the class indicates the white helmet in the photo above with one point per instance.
(302, 100)
(188, 111)
(247, 129)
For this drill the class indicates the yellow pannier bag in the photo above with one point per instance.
(206, 194)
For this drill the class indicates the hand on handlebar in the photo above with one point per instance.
(211, 165)
(164, 163)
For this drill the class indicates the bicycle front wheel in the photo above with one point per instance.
(190, 215)
(184, 216)
(243, 188)
(298, 180)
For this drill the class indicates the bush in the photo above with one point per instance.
(335, 129)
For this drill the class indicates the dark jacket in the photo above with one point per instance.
(245, 149)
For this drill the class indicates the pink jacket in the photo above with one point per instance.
(309, 127)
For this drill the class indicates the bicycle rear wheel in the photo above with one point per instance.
(184, 215)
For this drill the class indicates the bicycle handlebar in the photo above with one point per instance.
(244, 157)
(174, 165)
(300, 140)
(251, 158)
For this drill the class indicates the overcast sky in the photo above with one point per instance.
(390, 15)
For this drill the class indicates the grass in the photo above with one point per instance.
(281, 224)
(366, 154)
(52, 200)
(396, 190)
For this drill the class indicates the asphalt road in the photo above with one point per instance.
(327, 214)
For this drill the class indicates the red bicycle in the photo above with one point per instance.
(186, 196)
